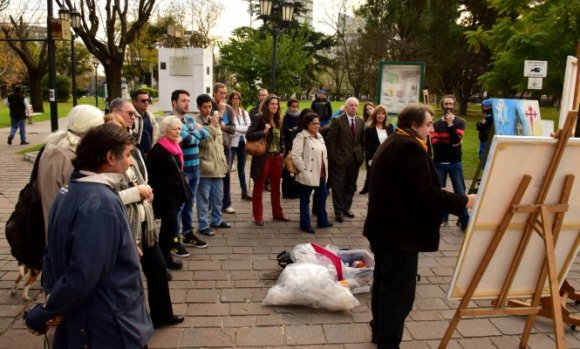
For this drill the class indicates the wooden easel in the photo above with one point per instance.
(540, 222)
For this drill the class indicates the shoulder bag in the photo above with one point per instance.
(256, 148)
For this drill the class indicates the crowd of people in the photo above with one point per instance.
(129, 168)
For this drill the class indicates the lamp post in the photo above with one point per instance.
(275, 28)
(51, 67)
(95, 62)
(75, 17)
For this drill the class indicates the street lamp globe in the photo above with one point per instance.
(287, 11)
(75, 18)
(64, 14)
(265, 8)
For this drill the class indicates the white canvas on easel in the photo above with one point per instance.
(568, 88)
(510, 158)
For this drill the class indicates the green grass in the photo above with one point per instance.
(470, 141)
(470, 146)
(63, 110)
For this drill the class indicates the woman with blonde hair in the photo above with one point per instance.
(55, 166)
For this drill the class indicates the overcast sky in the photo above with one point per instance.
(235, 13)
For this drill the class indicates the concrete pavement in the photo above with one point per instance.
(221, 288)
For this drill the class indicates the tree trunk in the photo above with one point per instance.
(35, 88)
(114, 79)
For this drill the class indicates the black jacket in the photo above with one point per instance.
(165, 179)
(372, 142)
(256, 132)
(405, 198)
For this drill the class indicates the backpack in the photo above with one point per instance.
(25, 227)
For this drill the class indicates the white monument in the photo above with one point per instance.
(189, 69)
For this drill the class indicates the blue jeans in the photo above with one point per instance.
(319, 205)
(210, 191)
(18, 124)
(186, 210)
(455, 171)
(240, 152)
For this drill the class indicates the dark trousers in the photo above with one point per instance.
(290, 188)
(343, 185)
(318, 205)
(240, 153)
(168, 230)
(227, 199)
(393, 294)
(155, 271)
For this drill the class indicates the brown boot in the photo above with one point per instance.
(246, 197)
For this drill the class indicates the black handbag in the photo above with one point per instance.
(187, 191)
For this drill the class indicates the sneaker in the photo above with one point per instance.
(10, 138)
(193, 241)
(177, 250)
(207, 232)
(229, 210)
(24, 143)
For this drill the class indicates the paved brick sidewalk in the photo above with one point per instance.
(221, 287)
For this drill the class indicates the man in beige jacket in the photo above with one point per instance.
(213, 168)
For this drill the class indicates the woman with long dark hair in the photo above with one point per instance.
(375, 134)
(267, 125)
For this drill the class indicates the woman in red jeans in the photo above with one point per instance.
(267, 124)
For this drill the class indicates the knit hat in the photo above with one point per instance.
(486, 103)
(321, 92)
(84, 117)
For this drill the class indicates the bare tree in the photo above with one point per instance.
(121, 27)
(205, 14)
(33, 54)
(342, 52)
(4, 4)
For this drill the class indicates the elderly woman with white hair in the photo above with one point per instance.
(55, 166)
(165, 167)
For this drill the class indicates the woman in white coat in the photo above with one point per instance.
(311, 159)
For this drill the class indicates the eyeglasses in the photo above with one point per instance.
(145, 100)
(129, 112)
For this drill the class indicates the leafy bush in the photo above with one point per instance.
(152, 92)
(63, 88)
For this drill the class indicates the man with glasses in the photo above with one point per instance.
(146, 128)
(126, 110)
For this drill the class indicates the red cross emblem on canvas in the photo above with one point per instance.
(531, 114)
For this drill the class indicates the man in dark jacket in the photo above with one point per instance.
(19, 111)
(91, 269)
(405, 205)
(344, 142)
(322, 107)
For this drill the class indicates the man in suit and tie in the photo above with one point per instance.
(345, 156)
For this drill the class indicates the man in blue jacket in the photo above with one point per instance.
(91, 264)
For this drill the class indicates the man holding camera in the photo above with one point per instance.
(447, 138)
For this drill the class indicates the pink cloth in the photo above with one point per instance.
(172, 147)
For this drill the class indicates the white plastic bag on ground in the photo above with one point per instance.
(310, 285)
